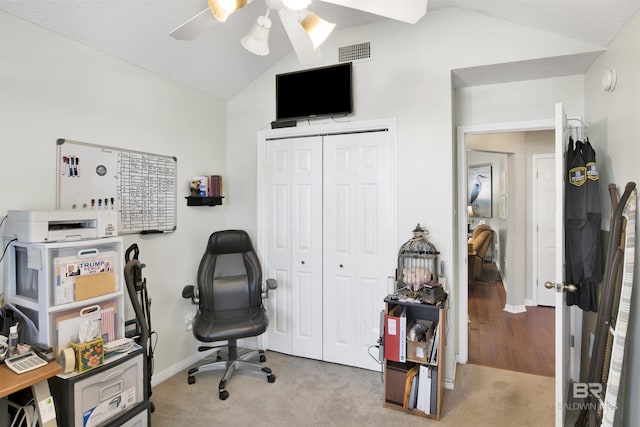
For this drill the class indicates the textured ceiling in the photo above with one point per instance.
(137, 31)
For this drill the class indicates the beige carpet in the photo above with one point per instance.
(313, 393)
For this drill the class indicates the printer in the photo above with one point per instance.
(60, 225)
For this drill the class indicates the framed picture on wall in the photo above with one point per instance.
(479, 187)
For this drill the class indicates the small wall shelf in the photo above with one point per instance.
(204, 201)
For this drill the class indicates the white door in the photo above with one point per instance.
(545, 193)
(359, 249)
(557, 281)
(294, 244)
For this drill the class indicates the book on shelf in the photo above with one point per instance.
(433, 346)
(214, 188)
(413, 393)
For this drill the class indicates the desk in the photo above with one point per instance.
(10, 382)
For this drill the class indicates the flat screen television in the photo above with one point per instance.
(316, 92)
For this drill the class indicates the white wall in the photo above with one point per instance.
(52, 87)
(613, 120)
(409, 78)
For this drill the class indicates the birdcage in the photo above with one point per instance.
(417, 261)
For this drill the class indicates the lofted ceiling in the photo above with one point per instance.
(137, 31)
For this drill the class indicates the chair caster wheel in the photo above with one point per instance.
(266, 370)
(218, 358)
(263, 358)
(271, 378)
(224, 394)
(191, 379)
(193, 371)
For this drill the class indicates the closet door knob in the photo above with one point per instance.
(341, 265)
(302, 262)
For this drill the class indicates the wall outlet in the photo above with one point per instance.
(188, 322)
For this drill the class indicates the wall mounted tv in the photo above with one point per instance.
(317, 92)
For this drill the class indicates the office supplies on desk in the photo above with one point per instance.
(26, 362)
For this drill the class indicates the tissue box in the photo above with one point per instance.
(89, 355)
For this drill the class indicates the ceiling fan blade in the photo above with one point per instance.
(300, 41)
(409, 11)
(195, 26)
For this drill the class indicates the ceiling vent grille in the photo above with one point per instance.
(355, 52)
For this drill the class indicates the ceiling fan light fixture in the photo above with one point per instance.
(296, 4)
(317, 28)
(222, 9)
(257, 40)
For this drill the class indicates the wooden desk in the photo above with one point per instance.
(10, 382)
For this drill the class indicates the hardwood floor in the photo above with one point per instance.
(523, 342)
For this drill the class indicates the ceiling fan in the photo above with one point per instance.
(306, 30)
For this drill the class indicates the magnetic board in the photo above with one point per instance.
(140, 186)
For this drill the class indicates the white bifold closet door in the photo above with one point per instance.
(294, 244)
(357, 241)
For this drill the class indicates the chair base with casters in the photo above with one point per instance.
(230, 365)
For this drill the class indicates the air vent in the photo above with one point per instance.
(355, 52)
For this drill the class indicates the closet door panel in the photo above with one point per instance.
(277, 259)
(306, 255)
(358, 233)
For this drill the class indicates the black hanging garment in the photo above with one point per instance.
(582, 225)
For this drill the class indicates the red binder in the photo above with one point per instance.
(395, 335)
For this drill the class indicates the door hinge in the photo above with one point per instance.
(572, 341)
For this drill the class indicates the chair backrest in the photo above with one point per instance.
(229, 275)
(482, 242)
(479, 229)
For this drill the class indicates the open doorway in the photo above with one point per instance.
(506, 329)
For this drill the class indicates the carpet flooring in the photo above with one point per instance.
(314, 393)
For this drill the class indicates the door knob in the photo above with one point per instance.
(564, 287)
(341, 265)
(301, 262)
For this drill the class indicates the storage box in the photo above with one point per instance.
(89, 355)
(418, 351)
(396, 378)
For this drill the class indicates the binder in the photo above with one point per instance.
(413, 394)
(423, 402)
(395, 331)
(434, 389)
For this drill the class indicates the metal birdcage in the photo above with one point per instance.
(417, 261)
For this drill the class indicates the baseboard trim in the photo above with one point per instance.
(515, 308)
(174, 369)
(529, 302)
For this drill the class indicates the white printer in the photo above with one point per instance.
(60, 225)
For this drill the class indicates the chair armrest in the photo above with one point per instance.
(190, 291)
(271, 285)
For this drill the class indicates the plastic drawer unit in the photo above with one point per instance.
(54, 283)
(101, 395)
(140, 416)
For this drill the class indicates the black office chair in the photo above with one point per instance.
(229, 297)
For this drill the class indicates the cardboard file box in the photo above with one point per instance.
(89, 355)
(417, 351)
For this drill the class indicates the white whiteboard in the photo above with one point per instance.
(140, 186)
